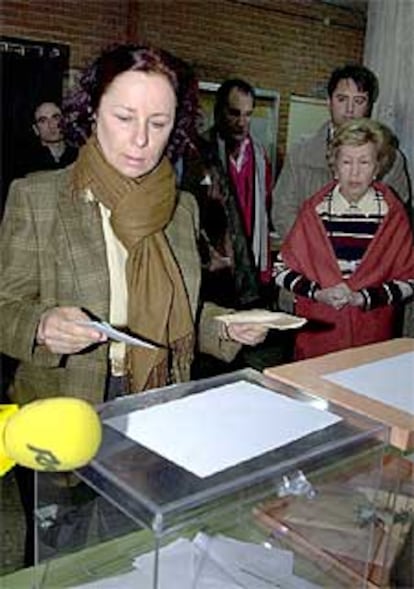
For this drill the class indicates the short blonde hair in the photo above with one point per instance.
(361, 131)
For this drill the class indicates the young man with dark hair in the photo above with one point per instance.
(364, 80)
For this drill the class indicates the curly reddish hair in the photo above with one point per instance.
(82, 101)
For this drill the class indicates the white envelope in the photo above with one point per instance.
(271, 319)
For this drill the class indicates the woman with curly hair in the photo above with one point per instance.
(109, 238)
(349, 257)
(80, 105)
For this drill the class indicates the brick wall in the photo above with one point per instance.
(287, 45)
(85, 25)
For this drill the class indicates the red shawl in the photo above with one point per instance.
(308, 250)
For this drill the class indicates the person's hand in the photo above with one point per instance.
(335, 296)
(249, 334)
(217, 261)
(59, 331)
(356, 299)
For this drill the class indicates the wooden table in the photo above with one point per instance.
(308, 376)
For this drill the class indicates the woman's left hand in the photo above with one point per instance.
(356, 299)
(249, 334)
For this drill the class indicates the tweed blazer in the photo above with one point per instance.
(305, 171)
(52, 253)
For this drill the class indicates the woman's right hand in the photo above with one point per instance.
(59, 330)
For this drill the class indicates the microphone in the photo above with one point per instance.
(57, 434)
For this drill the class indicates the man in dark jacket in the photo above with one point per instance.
(48, 150)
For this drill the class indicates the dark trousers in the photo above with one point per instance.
(64, 531)
(76, 502)
(79, 511)
(25, 483)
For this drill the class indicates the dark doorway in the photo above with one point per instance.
(31, 72)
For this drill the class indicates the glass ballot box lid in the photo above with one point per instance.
(233, 481)
(168, 451)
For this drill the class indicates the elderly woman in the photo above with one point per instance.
(109, 238)
(349, 257)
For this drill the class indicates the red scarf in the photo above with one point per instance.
(308, 250)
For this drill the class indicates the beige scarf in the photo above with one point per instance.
(158, 307)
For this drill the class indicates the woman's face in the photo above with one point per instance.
(134, 120)
(355, 168)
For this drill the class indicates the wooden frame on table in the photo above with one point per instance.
(308, 375)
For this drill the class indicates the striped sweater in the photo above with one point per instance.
(350, 228)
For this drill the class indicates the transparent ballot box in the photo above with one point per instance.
(233, 481)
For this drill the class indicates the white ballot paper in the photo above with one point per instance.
(252, 566)
(211, 562)
(390, 381)
(116, 334)
(208, 432)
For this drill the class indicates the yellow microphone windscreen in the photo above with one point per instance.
(6, 463)
(56, 434)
